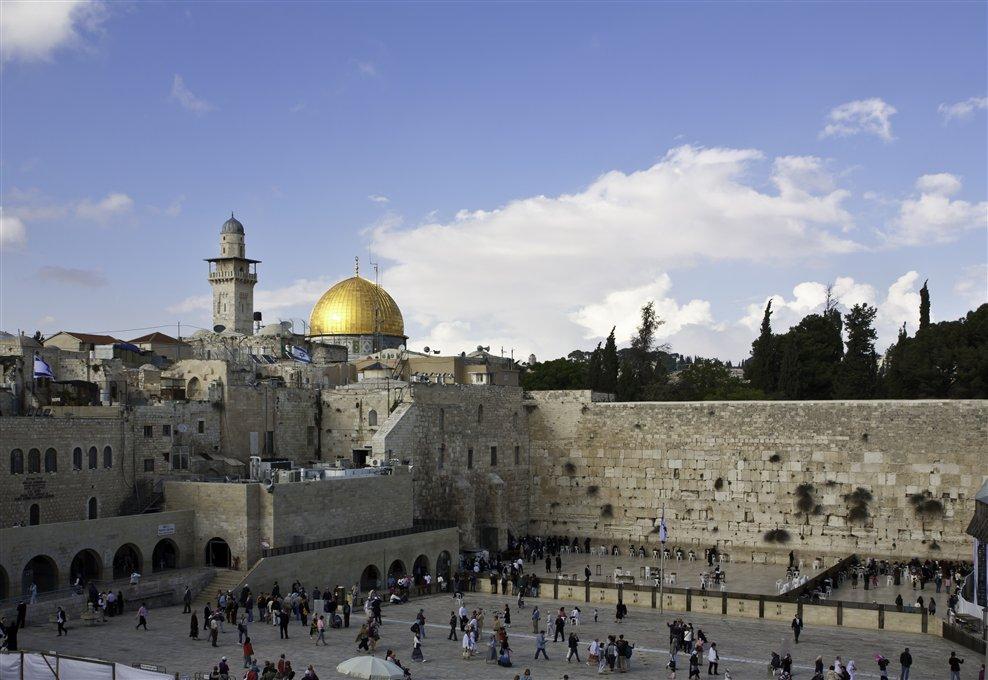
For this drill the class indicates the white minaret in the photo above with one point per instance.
(232, 277)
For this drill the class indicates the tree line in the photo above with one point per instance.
(827, 355)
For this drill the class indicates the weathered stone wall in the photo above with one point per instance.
(63, 496)
(229, 512)
(338, 508)
(161, 430)
(727, 472)
(347, 414)
(449, 433)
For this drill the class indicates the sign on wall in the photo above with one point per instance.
(166, 529)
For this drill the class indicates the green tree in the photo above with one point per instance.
(811, 355)
(595, 372)
(924, 306)
(709, 380)
(762, 368)
(558, 374)
(609, 365)
(857, 377)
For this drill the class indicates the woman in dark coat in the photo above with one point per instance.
(194, 627)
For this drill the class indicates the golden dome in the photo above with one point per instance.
(351, 308)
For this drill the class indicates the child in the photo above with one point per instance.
(595, 615)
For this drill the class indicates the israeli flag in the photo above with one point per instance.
(663, 531)
(298, 354)
(42, 369)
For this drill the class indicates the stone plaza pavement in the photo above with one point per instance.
(744, 644)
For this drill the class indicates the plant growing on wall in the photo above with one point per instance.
(774, 458)
(857, 505)
(777, 536)
(719, 484)
(569, 468)
(925, 507)
(607, 510)
(806, 504)
(593, 490)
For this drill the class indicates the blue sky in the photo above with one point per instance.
(527, 175)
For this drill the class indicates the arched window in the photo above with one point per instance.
(93, 453)
(480, 414)
(442, 419)
(92, 508)
(372, 418)
(51, 460)
(77, 458)
(107, 457)
(34, 515)
(17, 462)
(33, 461)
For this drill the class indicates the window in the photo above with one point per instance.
(33, 461)
(148, 431)
(92, 511)
(269, 442)
(107, 457)
(493, 456)
(480, 414)
(77, 458)
(442, 419)
(469, 459)
(310, 435)
(180, 461)
(372, 418)
(166, 430)
(517, 455)
(34, 515)
(17, 462)
(149, 465)
(441, 461)
(93, 454)
(201, 427)
(51, 460)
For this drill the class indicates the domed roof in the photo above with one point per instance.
(355, 306)
(232, 226)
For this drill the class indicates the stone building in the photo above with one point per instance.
(232, 277)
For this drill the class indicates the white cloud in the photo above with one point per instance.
(297, 299)
(933, 217)
(622, 310)
(521, 274)
(367, 68)
(90, 278)
(378, 198)
(33, 31)
(186, 99)
(111, 206)
(962, 110)
(12, 231)
(972, 286)
(863, 116)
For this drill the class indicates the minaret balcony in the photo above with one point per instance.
(233, 276)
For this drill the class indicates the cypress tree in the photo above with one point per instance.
(609, 365)
(857, 377)
(924, 306)
(595, 372)
(760, 368)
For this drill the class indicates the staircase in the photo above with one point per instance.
(225, 579)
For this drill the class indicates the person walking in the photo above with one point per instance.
(321, 628)
(573, 649)
(248, 652)
(560, 629)
(60, 619)
(905, 663)
(187, 600)
(954, 662)
(142, 617)
(283, 624)
(713, 658)
(417, 647)
(21, 614)
(453, 619)
(797, 628)
(536, 615)
(540, 645)
(194, 626)
(214, 630)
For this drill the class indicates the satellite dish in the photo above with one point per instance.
(183, 428)
(427, 350)
(435, 351)
(219, 328)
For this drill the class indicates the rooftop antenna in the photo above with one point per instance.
(356, 265)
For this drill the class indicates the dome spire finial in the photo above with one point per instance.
(356, 266)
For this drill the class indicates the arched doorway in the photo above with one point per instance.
(126, 561)
(443, 565)
(419, 569)
(218, 553)
(193, 389)
(86, 565)
(370, 578)
(92, 508)
(34, 515)
(396, 571)
(42, 572)
(165, 555)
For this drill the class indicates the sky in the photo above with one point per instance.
(526, 175)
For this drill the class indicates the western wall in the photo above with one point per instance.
(727, 473)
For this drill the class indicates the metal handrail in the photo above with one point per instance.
(418, 527)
